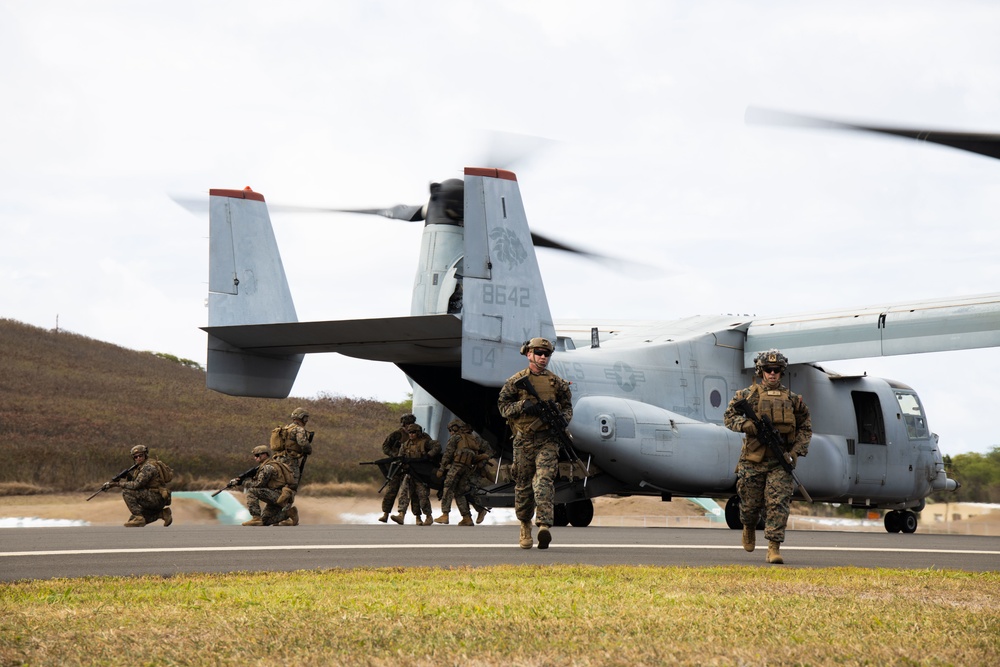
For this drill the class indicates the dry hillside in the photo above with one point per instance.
(71, 407)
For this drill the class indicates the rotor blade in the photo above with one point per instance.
(616, 263)
(199, 206)
(973, 142)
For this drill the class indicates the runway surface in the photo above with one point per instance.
(45, 553)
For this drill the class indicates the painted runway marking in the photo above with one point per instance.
(355, 547)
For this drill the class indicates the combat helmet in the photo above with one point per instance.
(770, 357)
(407, 419)
(414, 428)
(140, 449)
(538, 342)
(261, 449)
(300, 413)
(455, 424)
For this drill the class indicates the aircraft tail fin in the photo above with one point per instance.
(504, 301)
(246, 285)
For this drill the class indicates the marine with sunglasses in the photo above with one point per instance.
(536, 447)
(762, 484)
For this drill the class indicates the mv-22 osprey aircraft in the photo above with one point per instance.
(648, 398)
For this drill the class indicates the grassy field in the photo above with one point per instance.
(511, 615)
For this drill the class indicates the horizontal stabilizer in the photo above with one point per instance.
(925, 326)
(418, 340)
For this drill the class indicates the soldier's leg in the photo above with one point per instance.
(524, 472)
(423, 496)
(404, 495)
(391, 491)
(543, 483)
(448, 489)
(253, 502)
(777, 499)
(750, 486)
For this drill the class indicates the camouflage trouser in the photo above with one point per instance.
(391, 491)
(477, 480)
(272, 512)
(417, 495)
(456, 485)
(147, 503)
(536, 461)
(765, 486)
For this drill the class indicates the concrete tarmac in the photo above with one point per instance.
(46, 553)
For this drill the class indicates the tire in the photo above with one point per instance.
(580, 513)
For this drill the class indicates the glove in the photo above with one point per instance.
(108, 485)
(234, 481)
(307, 449)
(792, 458)
(749, 428)
(439, 474)
(530, 408)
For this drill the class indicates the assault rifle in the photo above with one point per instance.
(116, 478)
(549, 413)
(239, 479)
(769, 436)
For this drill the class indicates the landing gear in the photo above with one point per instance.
(733, 515)
(578, 513)
(900, 520)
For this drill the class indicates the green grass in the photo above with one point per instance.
(510, 615)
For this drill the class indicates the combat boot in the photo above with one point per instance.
(544, 537)
(772, 553)
(481, 516)
(442, 519)
(525, 542)
(293, 517)
(749, 537)
(466, 521)
(167, 516)
(254, 521)
(428, 520)
(384, 518)
(135, 521)
(398, 518)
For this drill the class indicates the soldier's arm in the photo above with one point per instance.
(509, 400)
(803, 427)
(565, 399)
(143, 477)
(732, 419)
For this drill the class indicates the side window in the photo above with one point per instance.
(913, 415)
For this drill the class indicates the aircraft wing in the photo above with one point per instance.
(422, 340)
(922, 326)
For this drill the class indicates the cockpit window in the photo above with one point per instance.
(913, 415)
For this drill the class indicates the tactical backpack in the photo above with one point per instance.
(166, 474)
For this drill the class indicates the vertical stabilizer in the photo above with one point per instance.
(246, 285)
(504, 301)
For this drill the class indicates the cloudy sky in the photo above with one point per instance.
(110, 107)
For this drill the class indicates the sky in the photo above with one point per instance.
(112, 107)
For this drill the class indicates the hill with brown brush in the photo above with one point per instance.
(71, 407)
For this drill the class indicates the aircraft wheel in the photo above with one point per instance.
(893, 522)
(733, 513)
(560, 515)
(909, 523)
(581, 512)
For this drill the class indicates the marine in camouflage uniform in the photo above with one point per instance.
(461, 456)
(479, 478)
(295, 443)
(418, 445)
(269, 497)
(392, 446)
(536, 447)
(144, 491)
(761, 481)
